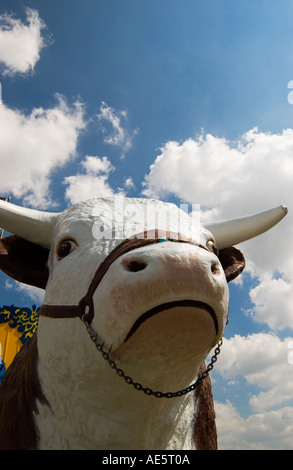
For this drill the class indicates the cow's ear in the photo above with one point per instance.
(233, 262)
(24, 261)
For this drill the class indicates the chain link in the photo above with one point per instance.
(146, 390)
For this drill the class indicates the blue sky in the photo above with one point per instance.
(185, 101)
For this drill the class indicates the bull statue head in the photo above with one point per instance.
(149, 283)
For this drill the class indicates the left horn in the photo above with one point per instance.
(30, 224)
(231, 232)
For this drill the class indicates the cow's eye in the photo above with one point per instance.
(211, 246)
(65, 248)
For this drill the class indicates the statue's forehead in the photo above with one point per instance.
(122, 217)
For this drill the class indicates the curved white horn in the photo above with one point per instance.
(30, 224)
(231, 232)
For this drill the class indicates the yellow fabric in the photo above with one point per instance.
(17, 324)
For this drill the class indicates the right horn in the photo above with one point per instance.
(231, 232)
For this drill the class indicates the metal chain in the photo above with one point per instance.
(146, 390)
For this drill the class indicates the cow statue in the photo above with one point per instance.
(136, 297)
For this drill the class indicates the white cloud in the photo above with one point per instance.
(260, 431)
(92, 182)
(32, 146)
(118, 135)
(129, 183)
(20, 43)
(270, 297)
(263, 360)
(230, 179)
(216, 173)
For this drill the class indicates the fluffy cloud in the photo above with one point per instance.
(270, 297)
(263, 360)
(32, 146)
(128, 183)
(92, 182)
(269, 431)
(217, 173)
(20, 43)
(118, 135)
(230, 179)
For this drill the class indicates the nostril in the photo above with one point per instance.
(215, 268)
(135, 265)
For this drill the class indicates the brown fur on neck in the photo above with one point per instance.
(205, 431)
(19, 392)
(21, 388)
